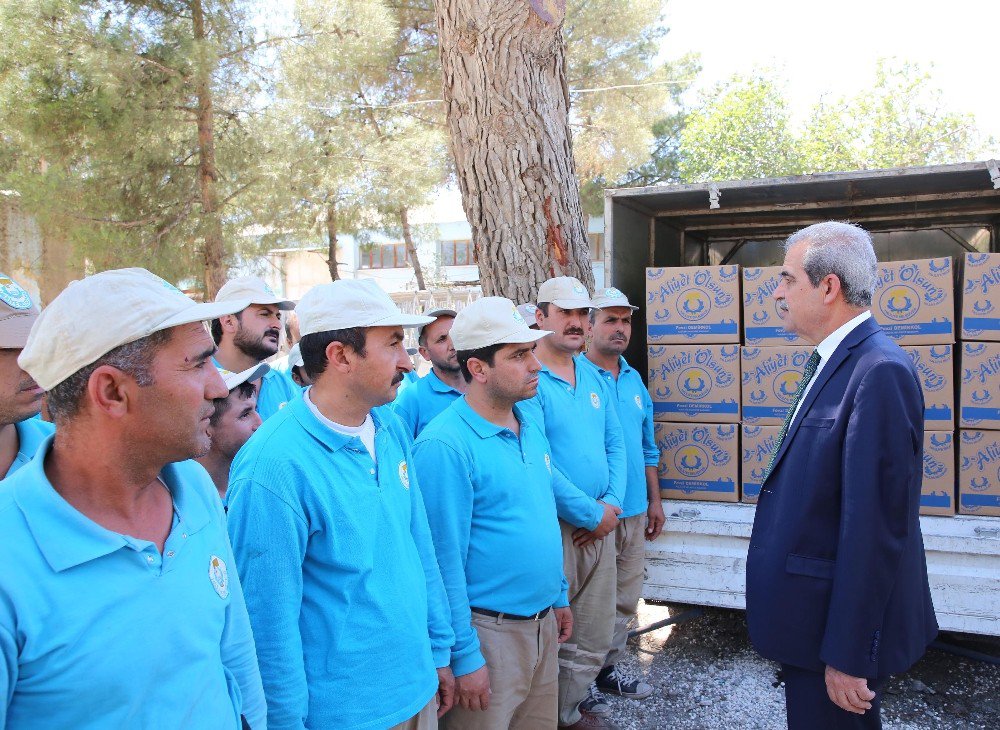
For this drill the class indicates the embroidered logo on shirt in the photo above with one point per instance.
(548, 463)
(282, 404)
(638, 402)
(595, 401)
(404, 474)
(219, 576)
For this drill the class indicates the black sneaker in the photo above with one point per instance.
(621, 682)
(595, 703)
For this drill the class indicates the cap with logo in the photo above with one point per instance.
(611, 297)
(565, 292)
(251, 290)
(93, 316)
(17, 314)
(232, 379)
(491, 321)
(528, 312)
(435, 312)
(351, 303)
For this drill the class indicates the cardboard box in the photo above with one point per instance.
(936, 369)
(979, 473)
(693, 304)
(698, 461)
(762, 320)
(937, 490)
(914, 301)
(981, 297)
(770, 378)
(699, 383)
(979, 392)
(757, 444)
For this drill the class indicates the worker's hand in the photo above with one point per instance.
(609, 521)
(847, 692)
(446, 690)
(474, 689)
(564, 620)
(655, 520)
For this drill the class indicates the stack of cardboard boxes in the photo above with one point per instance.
(693, 333)
(979, 390)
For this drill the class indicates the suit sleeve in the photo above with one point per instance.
(881, 465)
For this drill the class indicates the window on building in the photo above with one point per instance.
(384, 256)
(456, 253)
(596, 241)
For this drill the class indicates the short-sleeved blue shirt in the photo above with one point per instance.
(635, 413)
(31, 432)
(424, 399)
(101, 630)
(493, 517)
(276, 390)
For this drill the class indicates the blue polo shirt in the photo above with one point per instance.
(31, 432)
(343, 589)
(588, 449)
(493, 517)
(635, 413)
(276, 389)
(423, 400)
(101, 630)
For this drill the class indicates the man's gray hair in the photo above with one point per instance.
(133, 358)
(843, 249)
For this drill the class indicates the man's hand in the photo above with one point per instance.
(609, 521)
(446, 690)
(564, 620)
(474, 689)
(847, 692)
(655, 519)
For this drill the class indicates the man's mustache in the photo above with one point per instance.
(397, 378)
(271, 333)
(782, 305)
(573, 331)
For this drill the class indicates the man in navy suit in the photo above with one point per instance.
(836, 577)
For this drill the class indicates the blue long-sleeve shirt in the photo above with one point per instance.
(102, 630)
(422, 401)
(635, 413)
(342, 584)
(588, 450)
(31, 432)
(493, 517)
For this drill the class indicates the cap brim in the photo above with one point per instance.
(285, 305)
(14, 330)
(441, 313)
(573, 303)
(522, 338)
(401, 320)
(204, 312)
(254, 373)
(614, 304)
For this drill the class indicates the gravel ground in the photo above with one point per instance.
(706, 675)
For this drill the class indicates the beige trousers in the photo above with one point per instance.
(522, 659)
(630, 549)
(591, 572)
(426, 719)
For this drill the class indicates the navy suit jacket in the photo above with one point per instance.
(836, 573)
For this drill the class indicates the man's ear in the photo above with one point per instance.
(831, 288)
(230, 324)
(340, 357)
(478, 369)
(110, 391)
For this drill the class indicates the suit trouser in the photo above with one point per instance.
(523, 661)
(809, 707)
(630, 552)
(590, 571)
(426, 719)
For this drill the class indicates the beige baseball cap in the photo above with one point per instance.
(251, 290)
(435, 312)
(93, 316)
(295, 357)
(528, 312)
(565, 292)
(611, 297)
(17, 314)
(233, 379)
(491, 321)
(351, 303)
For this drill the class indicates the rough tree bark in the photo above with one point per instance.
(508, 115)
(411, 248)
(213, 250)
(331, 241)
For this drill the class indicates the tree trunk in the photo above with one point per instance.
(331, 240)
(211, 223)
(411, 249)
(508, 115)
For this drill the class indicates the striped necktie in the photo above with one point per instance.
(807, 375)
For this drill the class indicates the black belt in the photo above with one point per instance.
(501, 616)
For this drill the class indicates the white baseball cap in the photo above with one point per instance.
(435, 312)
(611, 297)
(17, 314)
(528, 312)
(491, 321)
(95, 315)
(251, 290)
(565, 292)
(351, 303)
(295, 357)
(233, 379)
